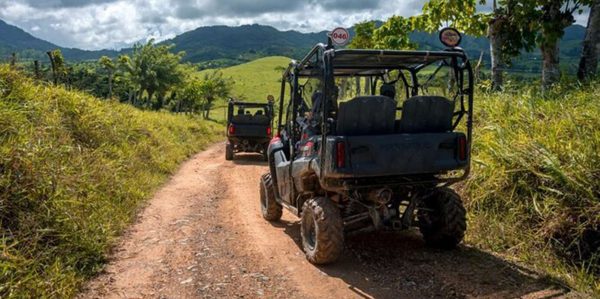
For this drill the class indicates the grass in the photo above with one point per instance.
(254, 81)
(74, 170)
(534, 192)
(532, 198)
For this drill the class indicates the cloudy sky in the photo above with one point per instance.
(98, 24)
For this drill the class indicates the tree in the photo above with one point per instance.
(588, 64)
(496, 38)
(59, 68)
(214, 86)
(154, 70)
(459, 14)
(108, 64)
(394, 34)
(363, 35)
(541, 23)
(463, 16)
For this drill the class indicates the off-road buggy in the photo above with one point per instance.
(248, 128)
(375, 161)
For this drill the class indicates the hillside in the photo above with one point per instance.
(254, 81)
(218, 46)
(257, 79)
(14, 39)
(243, 43)
(73, 174)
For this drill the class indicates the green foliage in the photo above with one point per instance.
(534, 190)
(363, 35)
(394, 34)
(531, 23)
(59, 67)
(459, 14)
(213, 87)
(154, 70)
(73, 172)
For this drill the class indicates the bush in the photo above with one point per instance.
(534, 192)
(74, 170)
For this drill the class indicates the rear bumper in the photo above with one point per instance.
(397, 155)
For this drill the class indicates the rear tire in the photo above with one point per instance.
(270, 209)
(228, 152)
(322, 231)
(443, 220)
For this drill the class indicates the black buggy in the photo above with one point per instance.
(248, 127)
(348, 163)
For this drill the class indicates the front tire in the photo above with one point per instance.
(442, 221)
(228, 152)
(322, 231)
(270, 209)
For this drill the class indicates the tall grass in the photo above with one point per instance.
(534, 192)
(73, 172)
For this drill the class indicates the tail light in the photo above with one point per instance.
(462, 148)
(231, 129)
(341, 154)
(269, 131)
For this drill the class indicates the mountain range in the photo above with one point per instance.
(222, 45)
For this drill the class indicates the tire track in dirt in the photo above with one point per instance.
(202, 236)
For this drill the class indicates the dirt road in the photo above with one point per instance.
(202, 236)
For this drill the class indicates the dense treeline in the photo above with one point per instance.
(512, 27)
(152, 78)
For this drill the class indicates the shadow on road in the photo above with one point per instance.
(399, 265)
(249, 159)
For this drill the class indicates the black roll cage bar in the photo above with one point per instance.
(323, 65)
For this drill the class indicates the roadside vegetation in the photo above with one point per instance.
(83, 145)
(533, 196)
(74, 170)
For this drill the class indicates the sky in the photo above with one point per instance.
(114, 24)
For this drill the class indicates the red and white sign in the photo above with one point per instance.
(340, 36)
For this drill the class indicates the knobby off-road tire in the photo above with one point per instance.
(443, 223)
(228, 152)
(322, 231)
(270, 209)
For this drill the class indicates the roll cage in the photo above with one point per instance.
(327, 63)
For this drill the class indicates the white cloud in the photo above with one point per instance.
(98, 24)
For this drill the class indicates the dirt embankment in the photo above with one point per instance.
(202, 236)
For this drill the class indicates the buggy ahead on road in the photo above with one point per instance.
(349, 161)
(248, 127)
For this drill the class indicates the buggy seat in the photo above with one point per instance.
(367, 115)
(427, 114)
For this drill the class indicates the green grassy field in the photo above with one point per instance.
(74, 170)
(254, 81)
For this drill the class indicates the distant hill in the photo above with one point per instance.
(15, 40)
(243, 43)
(218, 46)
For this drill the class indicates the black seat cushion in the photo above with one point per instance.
(427, 114)
(368, 115)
